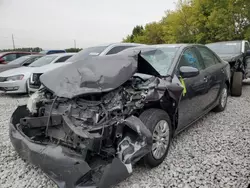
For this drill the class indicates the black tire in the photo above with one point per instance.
(247, 68)
(236, 87)
(150, 118)
(27, 88)
(222, 104)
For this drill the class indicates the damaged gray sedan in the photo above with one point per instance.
(94, 119)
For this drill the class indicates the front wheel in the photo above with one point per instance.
(159, 123)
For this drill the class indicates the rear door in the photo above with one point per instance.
(194, 100)
(216, 74)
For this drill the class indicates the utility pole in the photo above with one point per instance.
(13, 42)
(75, 43)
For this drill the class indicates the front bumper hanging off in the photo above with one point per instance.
(65, 167)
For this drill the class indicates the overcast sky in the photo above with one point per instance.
(56, 23)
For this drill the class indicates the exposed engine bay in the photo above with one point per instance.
(94, 122)
(100, 127)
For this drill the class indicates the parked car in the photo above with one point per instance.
(6, 57)
(21, 61)
(48, 52)
(34, 82)
(95, 118)
(15, 80)
(237, 53)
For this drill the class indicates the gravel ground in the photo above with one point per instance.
(214, 152)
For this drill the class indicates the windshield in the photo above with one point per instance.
(43, 61)
(225, 47)
(83, 54)
(161, 58)
(19, 60)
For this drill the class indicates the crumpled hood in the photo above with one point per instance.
(49, 67)
(17, 71)
(228, 57)
(94, 74)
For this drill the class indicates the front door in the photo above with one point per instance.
(194, 100)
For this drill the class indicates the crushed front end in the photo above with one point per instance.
(87, 141)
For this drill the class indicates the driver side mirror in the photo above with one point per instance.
(188, 72)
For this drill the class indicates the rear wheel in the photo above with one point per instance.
(236, 88)
(222, 100)
(159, 123)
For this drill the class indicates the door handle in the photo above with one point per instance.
(205, 79)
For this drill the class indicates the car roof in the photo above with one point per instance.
(125, 44)
(13, 52)
(118, 44)
(167, 45)
(226, 41)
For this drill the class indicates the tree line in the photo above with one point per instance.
(197, 21)
(37, 49)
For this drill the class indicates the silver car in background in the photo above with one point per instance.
(21, 61)
(16, 80)
(102, 50)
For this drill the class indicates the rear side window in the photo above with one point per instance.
(9, 57)
(118, 49)
(63, 59)
(190, 58)
(208, 57)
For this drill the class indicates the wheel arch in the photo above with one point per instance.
(169, 105)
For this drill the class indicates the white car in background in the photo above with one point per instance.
(102, 50)
(16, 80)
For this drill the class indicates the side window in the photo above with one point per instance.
(189, 58)
(208, 57)
(247, 47)
(118, 49)
(63, 59)
(20, 54)
(9, 57)
(29, 61)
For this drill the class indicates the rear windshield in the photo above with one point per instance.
(225, 47)
(83, 54)
(18, 61)
(43, 61)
